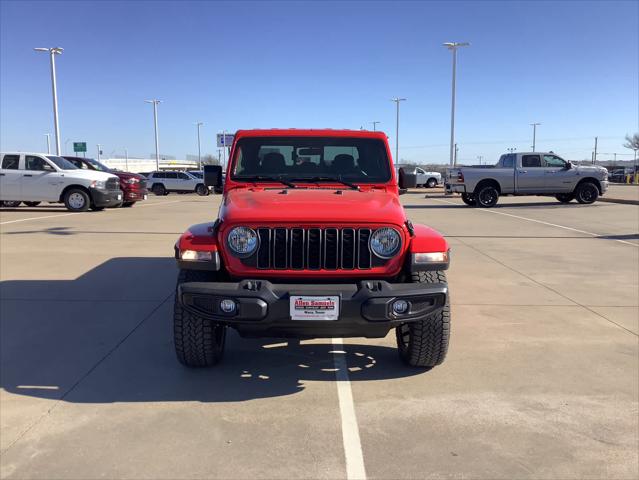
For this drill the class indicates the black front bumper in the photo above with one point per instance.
(262, 307)
(107, 198)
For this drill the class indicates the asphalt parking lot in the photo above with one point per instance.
(541, 380)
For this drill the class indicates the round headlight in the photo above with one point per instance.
(242, 241)
(385, 242)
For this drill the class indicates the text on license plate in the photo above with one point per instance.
(304, 307)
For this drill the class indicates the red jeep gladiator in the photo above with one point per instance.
(311, 241)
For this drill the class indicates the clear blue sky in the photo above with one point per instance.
(573, 66)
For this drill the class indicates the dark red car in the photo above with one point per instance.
(133, 185)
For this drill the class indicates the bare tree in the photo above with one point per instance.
(210, 160)
(632, 142)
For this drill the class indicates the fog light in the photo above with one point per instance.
(227, 306)
(196, 256)
(400, 306)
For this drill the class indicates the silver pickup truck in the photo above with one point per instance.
(533, 173)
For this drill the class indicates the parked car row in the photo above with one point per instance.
(425, 178)
(83, 183)
(34, 178)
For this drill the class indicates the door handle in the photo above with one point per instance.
(523, 171)
(27, 175)
(1, 174)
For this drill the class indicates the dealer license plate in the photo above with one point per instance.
(119, 197)
(314, 307)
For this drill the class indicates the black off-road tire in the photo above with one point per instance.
(432, 183)
(468, 199)
(32, 204)
(586, 193)
(72, 200)
(486, 196)
(202, 190)
(159, 189)
(199, 342)
(565, 197)
(10, 203)
(424, 343)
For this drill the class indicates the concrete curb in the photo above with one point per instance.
(619, 200)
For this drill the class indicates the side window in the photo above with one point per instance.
(35, 163)
(421, 172)
(10, 162)
(508, 161)
(172, 175)
(183, 176)
(159, 175)
(531, 161)
(554, 161)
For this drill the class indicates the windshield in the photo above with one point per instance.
(312, 159)
(97, 165)
(62, 163)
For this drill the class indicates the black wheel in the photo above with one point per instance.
(468, 199)
(128, 204)
(565, 197)
(424, 343)
(486, 196)
(32, 204)
(586, 193)
(11, 203)
(159, 190)
(202, 190)
(77, 200)
(432, 183)
(199, 342)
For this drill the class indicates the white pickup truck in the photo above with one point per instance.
(532, 173)
(33, 178)
(424, 178)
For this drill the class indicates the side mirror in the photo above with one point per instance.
(213, 176)
(407, 177)
(48, 168)
(568, 166)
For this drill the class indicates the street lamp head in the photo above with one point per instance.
(397, 99)
(40, 49)
(453, 45)
(55, 50)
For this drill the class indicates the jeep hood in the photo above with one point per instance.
(311, 205)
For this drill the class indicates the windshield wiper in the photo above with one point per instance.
(327, 178)
(266, 178)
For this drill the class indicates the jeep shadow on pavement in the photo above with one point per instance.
(95, 339)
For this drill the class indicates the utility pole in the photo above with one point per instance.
(126, 159)
(52, 53)
(199, 149)
(480, 158)
(453, 46)
(224, 148)
(48, 142)
(534, 125)
(375, 125)
(155, 103)
(397, 100)
(456, 152)
(99, 151)
(594, 157)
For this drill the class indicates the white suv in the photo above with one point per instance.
(161, 183)
(37, 177)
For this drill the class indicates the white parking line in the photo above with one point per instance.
(76, 213)
(36, 218)
(350, 431)
(484, 210)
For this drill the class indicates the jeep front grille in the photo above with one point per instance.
(314, 248)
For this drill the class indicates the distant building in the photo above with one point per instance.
(136, 165)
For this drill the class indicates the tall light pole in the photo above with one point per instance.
(126, 159)
(48, 135)
(453, 46)
(534, 125)
(155, 103)
(52, 53)
(375, 125)
(98, 145)
(199, 149)
(397, 100)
